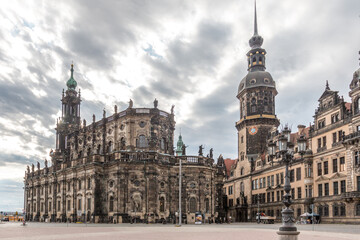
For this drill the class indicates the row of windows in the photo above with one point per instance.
(261, 182)
(58, 186)
(325, 166)
(270, 196)
(338, 210)
(334, 118)
(323, 189)
(337, 137)
(58, 205)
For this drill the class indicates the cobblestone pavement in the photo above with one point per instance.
(246, 231)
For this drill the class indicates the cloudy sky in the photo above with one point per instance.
(187, 53)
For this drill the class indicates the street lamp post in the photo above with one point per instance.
(180, 192)
(258, 208)
(287, 230)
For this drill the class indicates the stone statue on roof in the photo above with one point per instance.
(32, 167)
(46, 163)
(93, 117)
(28, 169)
(115, 108)
(201, 150)
(211, 152)
(183, 150)
(172, 109)
(131, 103)
(38, 166)
(104, 113)
(155, 103)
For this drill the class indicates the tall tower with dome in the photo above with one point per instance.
(256, 93)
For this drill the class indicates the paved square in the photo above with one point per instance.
(248, 231)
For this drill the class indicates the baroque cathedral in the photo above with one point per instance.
(121, 168)
(325, 180)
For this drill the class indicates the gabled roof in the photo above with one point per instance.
(338, 175)
(304, 132)
(322, 178)
(327, 92)
(228, 164)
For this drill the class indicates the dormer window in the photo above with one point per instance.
(321, 123)
(335, 118)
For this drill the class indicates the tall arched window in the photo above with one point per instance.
(79, 184)
(111, 204)
(162, 204)
(357, 105)
(253, 105)
(122, 143)
(207, 205)
(242, 171)
(162, 143)
(88, 152)
(266, 104)
(242, 187)
(98, 150)
(142, 143)
(192, 205)
(110, 147)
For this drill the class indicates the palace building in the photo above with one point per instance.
(121, 168)
(325, 180)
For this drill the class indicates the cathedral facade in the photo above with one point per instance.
(121, 168)
(325, 180)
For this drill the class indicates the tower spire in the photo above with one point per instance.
(71, 83)
(327, 85)
(256, 40)
(255, 22)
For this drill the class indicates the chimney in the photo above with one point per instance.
(300, 129)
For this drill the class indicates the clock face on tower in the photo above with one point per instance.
(253, 130)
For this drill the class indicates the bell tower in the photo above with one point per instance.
(256, 93)
(70, 117)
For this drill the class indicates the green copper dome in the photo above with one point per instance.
(71, 83)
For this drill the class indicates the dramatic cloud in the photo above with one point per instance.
(187, 53)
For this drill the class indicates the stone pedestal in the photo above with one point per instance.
(288, 235)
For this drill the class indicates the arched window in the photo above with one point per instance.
(111, 204)
(79, 184)
(253, 105)
(254, 60)
(142, 142)
(260, 59)
(357, 105)
(122, 143)
(98, 150)
(266, 102)
(162, 204)
(192, 205)
(207, 205)
(110, 147)
(88, 152)
(242, 187)
(242, 171)
(162, 143)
